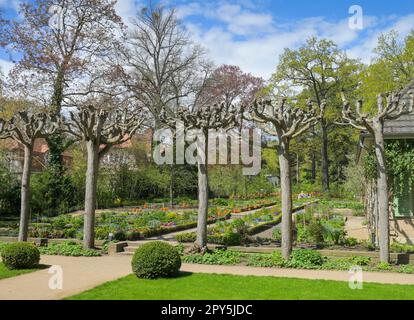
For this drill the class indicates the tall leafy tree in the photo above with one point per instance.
(392, 67)
(322, 71)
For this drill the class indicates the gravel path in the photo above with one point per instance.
(80, 274)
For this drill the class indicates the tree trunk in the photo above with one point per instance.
(325, 159)
(90, 195)
(382, 193)
(25, 193)
(297, 169)
(313, 173)
(286, 190)
(202, 198)
(172, 187)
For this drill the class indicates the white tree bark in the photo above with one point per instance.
(90, 195)
(25, 193)
(202, 158)
(382, 192)
(392, 109)
(202, 206)
(286, 190)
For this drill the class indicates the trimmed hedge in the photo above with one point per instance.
(156, 260)
(20, 255)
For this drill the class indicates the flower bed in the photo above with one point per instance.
(236, 232)
(123, 225)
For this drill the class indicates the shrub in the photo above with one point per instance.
(383, 266)
(401, 248)
(368, 245)
(360, 261)
(351, 242)
(186, 237)
(305, 259)
(406, 268)
(218, 257)
(68, 249)
(20, 255)
(266, 260)
(120, 236)
(315, 231)
(277, 234)
(133, 235)
(226, 239)
(156, 260)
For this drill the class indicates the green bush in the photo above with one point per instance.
(401, 248)
(351, 242)
(218, 257)
(383, 266)
(361, 261)
(186, 237)
(316, 231)
(20, 255)
(406, 268)
(266, 260)
(69, 249)
(156, 260)
(305, 259)
(277, 234)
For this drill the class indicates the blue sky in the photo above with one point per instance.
(253, 33)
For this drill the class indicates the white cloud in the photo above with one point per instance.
(10, 4)
(364, 48)
(127, 9)
(255, 40)
(5, 66)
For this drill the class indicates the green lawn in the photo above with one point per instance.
(6, 273)
(228, 287)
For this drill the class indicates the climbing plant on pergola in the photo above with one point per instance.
(389, 107)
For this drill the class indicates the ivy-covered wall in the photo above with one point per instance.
(400, 170)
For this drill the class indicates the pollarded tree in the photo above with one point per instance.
(25, 127)
(100, 126)
(374, 124)
(286, 122)
(54, 42)
(204, 119)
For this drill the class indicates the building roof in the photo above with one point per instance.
(403, 127)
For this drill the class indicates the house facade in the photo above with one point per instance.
(128, 153)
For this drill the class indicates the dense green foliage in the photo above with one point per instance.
(220, 257)
(71, 249)
(20, 255)
(156, 260)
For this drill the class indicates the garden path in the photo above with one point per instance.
(80, 274)
(354, 226)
